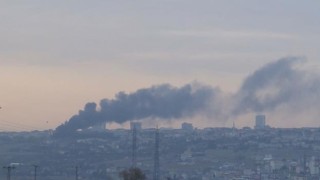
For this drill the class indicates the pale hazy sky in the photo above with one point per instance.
(57, 55)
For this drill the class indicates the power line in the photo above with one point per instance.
(11, 125)
(6, 126)
(19, 124)
(16, 126)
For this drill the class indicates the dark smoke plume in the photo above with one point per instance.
(278, 87)
(163, 101)
(269, 87)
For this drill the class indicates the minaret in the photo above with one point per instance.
(234, 129)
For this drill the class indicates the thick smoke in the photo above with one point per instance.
(163, 101)
(284, 90)
(280, 87)
(278, 84)
(269, 87)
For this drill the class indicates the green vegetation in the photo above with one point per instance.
(132, 174)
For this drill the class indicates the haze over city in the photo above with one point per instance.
(251, 56)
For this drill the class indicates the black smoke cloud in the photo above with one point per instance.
(267, 88)
(163, 101)
(278, 86)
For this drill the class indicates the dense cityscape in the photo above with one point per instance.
(258, 153)
(160, 90)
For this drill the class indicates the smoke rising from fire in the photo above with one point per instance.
(162, 101)
(277, 87)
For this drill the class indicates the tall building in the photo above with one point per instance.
(101, 126)
(187, 126)
(260, 122)
(135, 125)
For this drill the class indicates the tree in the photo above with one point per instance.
(132, 174)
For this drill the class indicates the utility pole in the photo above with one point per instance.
(77, 172)
(156, 156)
(134, 146)
(9, 169)
(35, 171)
